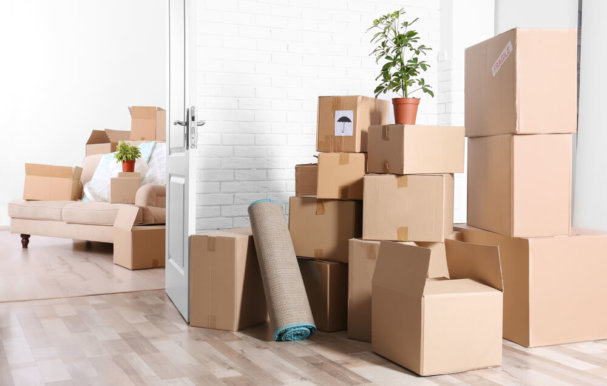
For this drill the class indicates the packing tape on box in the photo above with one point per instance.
(319, 253)
(372, 250)
(386, 167)
(320, 207)
(211, 241)
(402, 181)
(402, 234)
(344, 158)
(385, 133)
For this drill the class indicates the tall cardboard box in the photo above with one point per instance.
(52, 183)
(226, 289)
(554, 287)
(105, 141)
(361, 266)
(137, 246)
(436, 326)
(148, 123)
(523, 81)
(415, 149)
(340, 175)
(408, 208)
(343, 122)
(326, 285)
(306, 179)
(321, 229)
(520, 185)
(123, 188)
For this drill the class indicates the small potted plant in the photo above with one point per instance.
(127, 154)
(398, 48)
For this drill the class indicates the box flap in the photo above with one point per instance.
(402, 267)
(117, 135)
(143, 112)
(97, 136)
(475, 261)
(49, 170)
(126, 217)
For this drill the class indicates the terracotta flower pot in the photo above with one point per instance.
(128, 166)
(405, 110)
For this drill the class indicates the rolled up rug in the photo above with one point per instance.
(290, 314)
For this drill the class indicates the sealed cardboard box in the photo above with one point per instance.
(105, 141)
(415, 149)
(361, 266)
(438, 325)
(554, 287)
(137, 247)
(306, 177)
(321, 228)
(326, 285)
(523, 81)
(148, 123)
(226, 289)
(408, 208)
(520, 185)
(343, 122)
(123, 188)
(51, 183)
(340, 175)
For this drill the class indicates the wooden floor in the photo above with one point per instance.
(53, 268)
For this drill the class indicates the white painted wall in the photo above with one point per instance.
(535, 14)
(70, 66)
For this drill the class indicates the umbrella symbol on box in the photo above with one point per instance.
(344, 120)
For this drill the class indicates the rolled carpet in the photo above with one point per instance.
(290, 314)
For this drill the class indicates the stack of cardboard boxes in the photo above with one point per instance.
(521, 114)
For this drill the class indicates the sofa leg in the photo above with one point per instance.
(25, 240)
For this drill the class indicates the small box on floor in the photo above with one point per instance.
(326, 285)
(52, 183)
(522, 81)
(137, 246)
(321, 229)
(226, 289)
(343, 122)
(520, 185)
(361, 266)
(148, 123)
(306, 179)
(437, 325)
(123, 188)
(408, 208)
(414, 149)
(340, 175)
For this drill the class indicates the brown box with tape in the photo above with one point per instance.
(226, 289)
(321, 229)
(137, 246)
(340, 175)
(408, 208)
(414, 149)
(343, 122)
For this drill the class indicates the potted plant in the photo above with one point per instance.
(398, 48)
(127, 154)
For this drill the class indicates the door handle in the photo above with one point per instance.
(180, 123)
(200, 123)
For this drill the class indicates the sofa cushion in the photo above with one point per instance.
(37, 210)
(93, 213)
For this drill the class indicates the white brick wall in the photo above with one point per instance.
(261, 67)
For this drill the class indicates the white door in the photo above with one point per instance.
(181, 140)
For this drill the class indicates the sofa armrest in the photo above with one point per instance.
(150, 195)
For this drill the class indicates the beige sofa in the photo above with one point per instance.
(92, 221)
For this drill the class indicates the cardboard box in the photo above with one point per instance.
(523, 81)
(123, 188)
(437, 325)
(413, 149)
(520, 185)
(361, 266)
(105, 141)
(52, 183)
(340, 175)
(408, 208)
(226, 289)
(555, 287)
(306, 177)
(137, 247)
(148, 123)
(321, 229)
(327, 289)
(343, 122)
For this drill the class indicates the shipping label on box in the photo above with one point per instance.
(52, 183)
(340, 175)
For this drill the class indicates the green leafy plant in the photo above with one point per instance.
(126, 152)
(399, 50)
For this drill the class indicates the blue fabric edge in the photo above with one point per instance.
(264, 200)
(281, 330)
